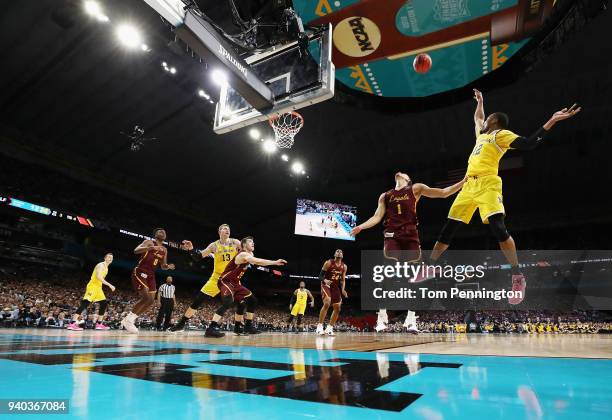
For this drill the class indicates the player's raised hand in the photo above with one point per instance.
(171, 267)
(478, 95)
(280, 262)
(355, 231)
(565, 113)
(186, 245)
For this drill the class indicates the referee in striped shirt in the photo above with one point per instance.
(166, 301)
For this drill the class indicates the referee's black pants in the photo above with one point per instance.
(165, 313)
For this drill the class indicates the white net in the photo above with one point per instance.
(285, 127)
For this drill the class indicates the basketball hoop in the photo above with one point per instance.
(285, 127)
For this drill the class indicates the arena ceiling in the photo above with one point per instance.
(69, 89)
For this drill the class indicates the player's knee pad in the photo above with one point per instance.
(251, 303)
(448, 231)
(84, 305)
(498, 227)
(241, 308)
(226, 303)
(198, 301)
(103, 306)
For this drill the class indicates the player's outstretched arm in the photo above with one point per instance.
(564, 114)
(374, 220)
(425, 190)
(145, 246)
(479, 115)
(261, 261)
(210, 249)
(186, 245)
(531, 142)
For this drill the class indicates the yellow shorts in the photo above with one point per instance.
(211, 287)
(298, 309)
(483, 193)
(94, 293)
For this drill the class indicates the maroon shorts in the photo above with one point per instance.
(142, 278)
(403, 245)
(332, 291)
(237, 291)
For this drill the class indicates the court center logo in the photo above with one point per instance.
(356, 36)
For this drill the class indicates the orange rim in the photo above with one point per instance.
(277, 116)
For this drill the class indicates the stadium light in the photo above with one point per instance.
(254, 133)
(298, 168)
(203, 94)
(173, 70)
(128, 35)
(269, 146)
(145, 47)
(285, 158)
(93, 9)
(219, 77)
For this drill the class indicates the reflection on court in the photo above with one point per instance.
(119, 376)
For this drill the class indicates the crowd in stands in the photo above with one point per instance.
(529, 322)
(38, 297)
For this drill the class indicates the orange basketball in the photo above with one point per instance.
(422, 63)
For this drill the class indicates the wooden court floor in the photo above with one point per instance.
(545, 345)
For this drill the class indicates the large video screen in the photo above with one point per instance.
(325, 220)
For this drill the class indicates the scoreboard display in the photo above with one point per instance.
(71, 217)
(35, 208)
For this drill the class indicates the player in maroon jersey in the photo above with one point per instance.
(398, 209)
(232, 291)
(333, 281)
(154, 255)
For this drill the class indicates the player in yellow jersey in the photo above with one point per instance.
(297, 306)
(94, 293)
(483, 189)
(223, 251)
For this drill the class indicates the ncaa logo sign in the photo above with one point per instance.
(356, 36)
